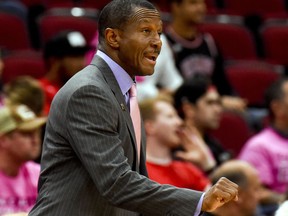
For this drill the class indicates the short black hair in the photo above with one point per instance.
(191, 90)
(274, 92)
(117, 13)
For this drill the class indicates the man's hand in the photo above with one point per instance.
(222, 192)
(195, 149)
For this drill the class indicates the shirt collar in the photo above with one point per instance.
(124, 80)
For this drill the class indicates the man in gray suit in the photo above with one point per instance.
(89, 163)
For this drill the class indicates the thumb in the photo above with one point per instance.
(182, 155)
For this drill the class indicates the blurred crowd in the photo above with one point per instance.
(183, 105)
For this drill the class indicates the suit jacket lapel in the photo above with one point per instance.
(112, 82)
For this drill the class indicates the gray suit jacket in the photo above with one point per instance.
(89, 162)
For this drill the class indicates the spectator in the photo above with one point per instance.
(64, 55)
(163, 127)
(19, 144)
(25, 90)
(28, 91)
(198, 103)
(195, 52)
(246, 177)
(267, 151)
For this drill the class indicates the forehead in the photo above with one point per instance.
(144, 15)
(211, 94)
(163, 107)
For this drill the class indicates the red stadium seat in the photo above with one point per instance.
(233, 132)
(50, 24)
(13, 33)
(211, 6)
(250, 81)
(23, 63)
(234, 41)
(30, 3)
(275, 43)
(59, 3)
(255, 7)
(94, 4)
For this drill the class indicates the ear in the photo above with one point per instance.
(112, 37)
(149, 127)
(276, 107)
(188, 110)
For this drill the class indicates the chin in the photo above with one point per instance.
(147, 72)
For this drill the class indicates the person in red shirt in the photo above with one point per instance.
(164, 130)
(64, 55)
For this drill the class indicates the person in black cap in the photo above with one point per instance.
(64, 55)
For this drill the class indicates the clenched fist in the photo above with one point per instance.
(220, 193)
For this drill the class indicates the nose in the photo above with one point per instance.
(156, 42)
(219, 109)
(179, 121)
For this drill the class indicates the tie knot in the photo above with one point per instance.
(133, 91)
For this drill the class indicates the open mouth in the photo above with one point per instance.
(152, 58)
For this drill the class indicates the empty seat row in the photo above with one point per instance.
(237, 42)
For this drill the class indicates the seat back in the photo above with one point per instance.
(275, 43)
(234, 41)
(13, 32)
(233, 132)
(251, 81)
(254, 7)
(49, 25)
(23, 63)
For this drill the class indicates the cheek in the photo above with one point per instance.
(202, 115)
(74, 63)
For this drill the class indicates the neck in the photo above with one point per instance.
(186, 31)
(281, 127)
(9, 166)
(157, 153)
(53, 76)
(191, 124)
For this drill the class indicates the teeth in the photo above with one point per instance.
(153, 58)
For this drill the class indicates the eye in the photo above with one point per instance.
(146, 31)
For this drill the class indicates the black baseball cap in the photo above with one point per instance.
(66, 43)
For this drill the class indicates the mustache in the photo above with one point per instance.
(157, 51)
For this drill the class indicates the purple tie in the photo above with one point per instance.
(135, 115)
